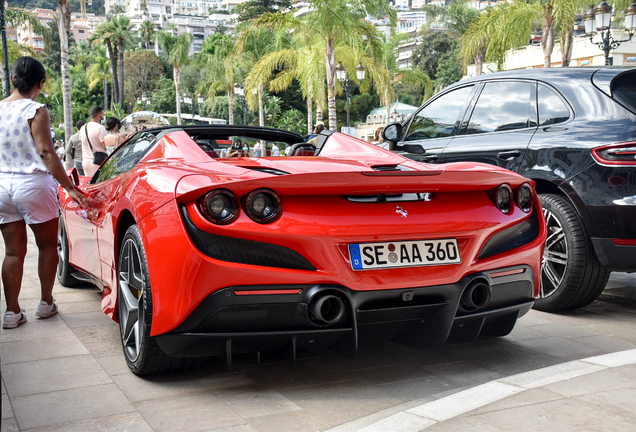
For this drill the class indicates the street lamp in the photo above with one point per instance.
(239, 90)
(343, 76)
(142, 100)
(599, 20)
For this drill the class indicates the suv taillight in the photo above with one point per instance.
(618, 154)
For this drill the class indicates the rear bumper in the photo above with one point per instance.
(226, 323)
(615, 257)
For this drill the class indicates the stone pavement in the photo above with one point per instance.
(67, 373)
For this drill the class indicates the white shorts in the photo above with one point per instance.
(28, 197)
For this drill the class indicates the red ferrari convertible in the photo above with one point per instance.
(202, 256)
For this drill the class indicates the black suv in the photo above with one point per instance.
(572, 131)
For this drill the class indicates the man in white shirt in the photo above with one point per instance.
(275, 150)
(95, 132)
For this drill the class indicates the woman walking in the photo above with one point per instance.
(114, 138)
(28, 191)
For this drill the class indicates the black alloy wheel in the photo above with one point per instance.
(571, 275)
(134, 307)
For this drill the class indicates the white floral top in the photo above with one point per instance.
(17, 146)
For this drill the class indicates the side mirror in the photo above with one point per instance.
(74, 176)
(392, 132)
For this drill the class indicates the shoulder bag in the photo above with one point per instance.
(98, 156)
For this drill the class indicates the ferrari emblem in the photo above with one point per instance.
(399, 210)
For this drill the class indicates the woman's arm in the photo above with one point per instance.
(41, 130)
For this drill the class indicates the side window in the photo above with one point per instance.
(502, 106)
(126, 157)
(552, 110)
(439, 118)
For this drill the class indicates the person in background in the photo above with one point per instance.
(320, 126)
(257, 149)
(60, 150)
(114, 138)
(377, 136)
(29, 169)
(74, 150)
(95, 132)
(275, 150)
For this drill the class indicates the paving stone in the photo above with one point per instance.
(157, 387)
(70, 406)
(258, 403)
(132, 422)
(191, 413)
(297, 421)
(49, 375)
(52, 347)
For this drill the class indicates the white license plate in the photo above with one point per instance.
(366, 256)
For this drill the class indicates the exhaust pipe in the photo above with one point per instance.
(475, 296)
(328, 309)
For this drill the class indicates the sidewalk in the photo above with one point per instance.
(67, 373)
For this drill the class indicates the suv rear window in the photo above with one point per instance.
(624, 89)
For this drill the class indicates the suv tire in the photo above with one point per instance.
(571, 275)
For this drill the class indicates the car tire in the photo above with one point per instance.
(134, 307)
(571, 275)
(64, 268)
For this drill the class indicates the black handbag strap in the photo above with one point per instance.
(87, 139)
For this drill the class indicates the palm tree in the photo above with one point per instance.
(81, 53)
(510, 25)
(105, 34)
(252, 45)
(124, 37)
(302, 61)
(176, 50)
(334, 21)
(223, 68)
(147, 30)
(99, 71)
(64, 22)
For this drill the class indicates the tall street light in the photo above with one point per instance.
(599, 20)
(239, 90)
(349, 86)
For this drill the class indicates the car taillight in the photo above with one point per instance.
(220, 206)
(262, 206)
(523, 197)
(502, 198)
(618, 154)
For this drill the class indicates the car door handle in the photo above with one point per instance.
(509, 155)
(429, 158)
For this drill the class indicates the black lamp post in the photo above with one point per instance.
(349, 86)
(239, 90)
(599, 20)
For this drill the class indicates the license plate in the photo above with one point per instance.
(366, 256)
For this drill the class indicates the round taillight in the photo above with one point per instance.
(263, 206)
(524, 197)
(220, 206)
(503, 198)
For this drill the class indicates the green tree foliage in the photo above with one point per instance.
(142, 69)
(426, 56)
(217, 42)
(52, 53)
(292, 120)
(175, 52)
(449, 69)
(255, 8)
(361, 105)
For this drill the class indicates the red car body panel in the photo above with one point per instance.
(316, 222)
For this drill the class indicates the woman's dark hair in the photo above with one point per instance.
(26, 73)
(112, 122)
